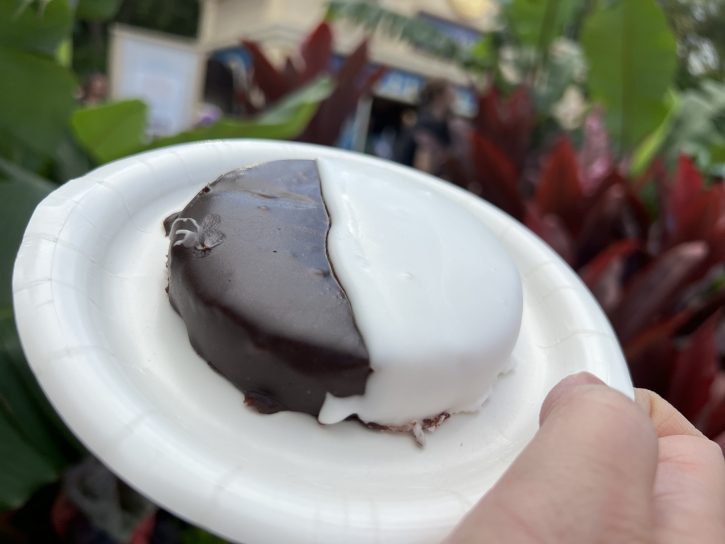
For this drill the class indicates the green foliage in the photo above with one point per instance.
(33, 446)
(23, 471)
(114, 130)
(173, 16)
(651, 145)
(194, 535)
(699, 126)
(110, 131)
(283, 121)
(537, 22)
(632, 60)
(37, 92)
(38, 98)
(418, 32)
(701, 42)
(37, 29)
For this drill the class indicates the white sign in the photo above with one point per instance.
(164, 71)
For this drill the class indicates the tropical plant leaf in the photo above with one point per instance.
(654, 287)
(685, 187)
(701, 216)
(537, 22)
(632, 56)
(286, 120)
(326, 125)
(22, 470)
(316, 53)
(603, 273)
(273, 83)
(507, 121)
(496, 175)
(31, 28)
(551, 230)
(646, 151)
(695, 369)
(32, 116)
(111, 131)
(602, 222)
(24, 405)
(194, 535)
(416, 31)
(559, 190)
(34, 445)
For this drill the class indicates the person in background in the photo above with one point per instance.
(428, 144)
(95, 90)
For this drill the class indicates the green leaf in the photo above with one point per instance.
(18, 198)
(34, 445)
(632, 56)
(22, 469)
(33, 28)
(285, 120)
(110, 131)
(37, 97)
(194, 535)
(24, 405)
(97, 10)
(645, 152)
(69, 160)
(537, 22)
(717, 153)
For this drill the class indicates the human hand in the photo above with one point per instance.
(604, 469)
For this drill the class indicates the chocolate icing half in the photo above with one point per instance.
(250, 276)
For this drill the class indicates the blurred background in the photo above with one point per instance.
(599, 124)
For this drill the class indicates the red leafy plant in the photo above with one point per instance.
(651, 249)
(269, 84)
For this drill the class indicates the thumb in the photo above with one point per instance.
(587, 475)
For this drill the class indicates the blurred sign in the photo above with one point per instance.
(401, 86)
(164, 71)
(464, 36)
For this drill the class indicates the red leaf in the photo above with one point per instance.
(496, 175)
(604, 223)
(552, 231)
(273, 83)
(559, 191)
(316, 52)
(652, 367)
(686, 185)
(509, 123)
(701, 215)
(655, 288)
(662, 331)
(352, 83)
(603, 273)
(695, 370)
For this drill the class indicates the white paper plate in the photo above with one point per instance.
(115, 361)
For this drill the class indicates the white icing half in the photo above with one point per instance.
(437, 299)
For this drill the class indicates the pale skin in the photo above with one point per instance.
(604, 469)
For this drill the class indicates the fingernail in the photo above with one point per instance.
(564, 386)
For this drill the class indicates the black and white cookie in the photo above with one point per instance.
(315, 288)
